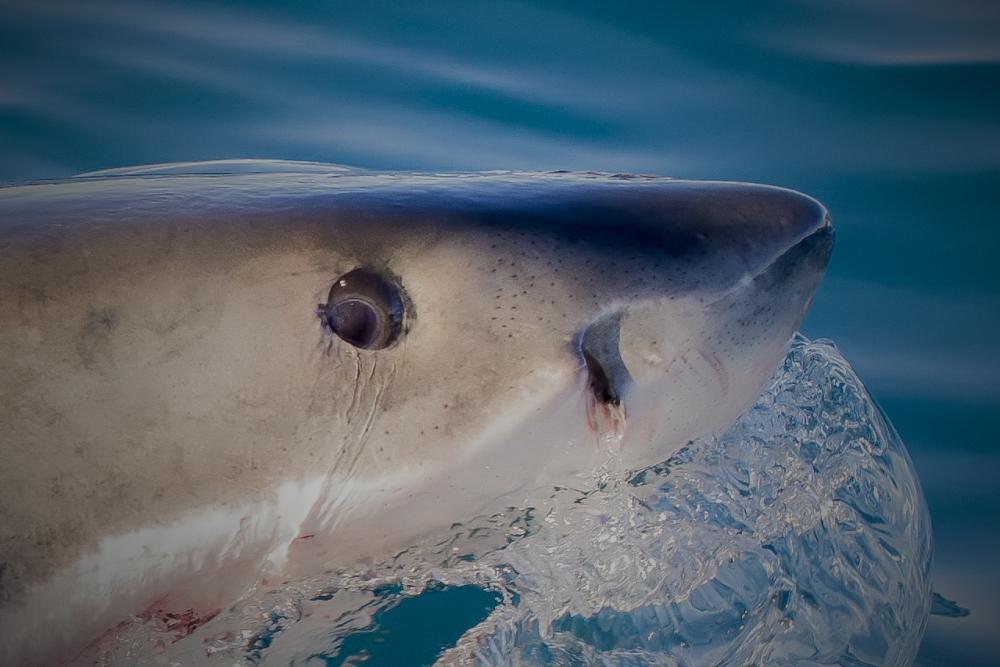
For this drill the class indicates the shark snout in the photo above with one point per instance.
(687, 361)
(812, 252)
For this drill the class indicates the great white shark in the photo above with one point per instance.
(210, 371)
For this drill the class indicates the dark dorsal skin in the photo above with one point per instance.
(168, 388)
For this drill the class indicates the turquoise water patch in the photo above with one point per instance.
(415, 630)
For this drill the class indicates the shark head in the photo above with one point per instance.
(556, 317)
(308, 367)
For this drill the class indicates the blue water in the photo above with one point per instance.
(889, 114)
(399, 633)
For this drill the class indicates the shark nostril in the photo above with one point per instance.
(607, 375)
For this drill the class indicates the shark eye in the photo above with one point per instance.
(365, 309)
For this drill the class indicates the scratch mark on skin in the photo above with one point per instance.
(328, 512)
(354, 447)
(357, 385)
(171, 627)
(182, 624)
(362, 437)
(682, 349)
(720, 371)
(376, 405)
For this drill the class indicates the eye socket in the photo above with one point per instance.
(365, 309)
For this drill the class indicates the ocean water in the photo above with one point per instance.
(888, 112)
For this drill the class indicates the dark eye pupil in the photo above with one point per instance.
(356, 322)
(365, 308)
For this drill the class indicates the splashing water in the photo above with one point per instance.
(800, 536)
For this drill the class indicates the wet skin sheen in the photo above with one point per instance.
(208, 376)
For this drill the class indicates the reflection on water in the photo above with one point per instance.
(890, 114)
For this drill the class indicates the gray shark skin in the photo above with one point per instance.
(180, 416)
